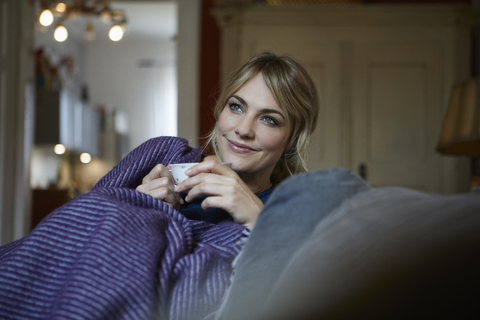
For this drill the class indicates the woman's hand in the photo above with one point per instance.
(225, 190)
(159, 184)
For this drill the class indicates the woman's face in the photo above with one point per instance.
(253, 131)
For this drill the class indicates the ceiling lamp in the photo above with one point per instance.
(116, 33)
(69, 9)
(46, 17)
(61, 33)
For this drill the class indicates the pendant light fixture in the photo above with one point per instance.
(66, 10)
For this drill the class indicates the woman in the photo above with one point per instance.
(115, 253)
(264, 118)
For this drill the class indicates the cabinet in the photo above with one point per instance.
(62, 117)
(383, 74)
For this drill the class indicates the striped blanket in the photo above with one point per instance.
(115, 253)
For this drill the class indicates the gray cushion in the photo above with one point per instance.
(388, 253)
(288, 219)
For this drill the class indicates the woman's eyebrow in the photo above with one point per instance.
(267, 110)
(240, 100)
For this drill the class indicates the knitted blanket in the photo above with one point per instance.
(116, 253)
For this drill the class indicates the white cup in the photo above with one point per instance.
(178, 170)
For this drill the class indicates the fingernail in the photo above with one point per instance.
(175, 188)
(188, 171)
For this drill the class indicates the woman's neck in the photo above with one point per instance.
(256, 183)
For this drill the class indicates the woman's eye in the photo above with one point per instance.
(270, 120)
(235, 107)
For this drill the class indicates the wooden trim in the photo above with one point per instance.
(188, 69)
(348, 15)
(209, 69)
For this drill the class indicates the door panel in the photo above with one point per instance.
(397, 104)
(396, 109)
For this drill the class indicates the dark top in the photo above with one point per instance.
(193, 210)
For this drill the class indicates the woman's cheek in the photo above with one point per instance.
(226, 121)
(273, 141)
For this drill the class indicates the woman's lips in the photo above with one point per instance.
(239, 148)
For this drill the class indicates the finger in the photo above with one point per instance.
(164, 182)
(154, 173)
(211, 202)
(209, 166)
(173, 198)
(209, 189)
(159, 171)
(215, 168)
(225, 202)
(165, 194)
(203, 177)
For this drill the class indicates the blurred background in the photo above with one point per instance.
(83, 82)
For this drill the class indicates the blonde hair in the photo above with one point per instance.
(295, 93)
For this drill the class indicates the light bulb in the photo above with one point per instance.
(61, 7)
(59, 149)
(46, 18)
(60, 34)
(85, 157)
(117, 15)
(105, 16)
(116, 33)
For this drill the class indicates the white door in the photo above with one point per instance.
(396, 105)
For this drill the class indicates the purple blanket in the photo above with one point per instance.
(115, 253)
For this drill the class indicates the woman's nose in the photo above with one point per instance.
(245, 128)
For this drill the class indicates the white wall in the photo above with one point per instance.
(116, 78)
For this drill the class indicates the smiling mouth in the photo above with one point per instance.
(240, 148)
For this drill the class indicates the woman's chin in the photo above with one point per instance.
(234, 165)
(237, 164)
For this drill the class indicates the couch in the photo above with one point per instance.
(328, 246)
